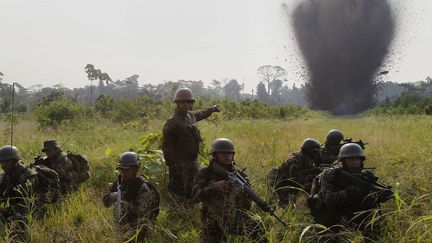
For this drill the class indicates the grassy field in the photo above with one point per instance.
(400, 148)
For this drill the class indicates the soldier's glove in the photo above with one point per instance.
(215, 108)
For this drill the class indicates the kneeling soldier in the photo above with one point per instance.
(136, 200)
(224, 206)
(296, 173)
(348, 195)
(59, 161)
(20, 192)
(329, 152)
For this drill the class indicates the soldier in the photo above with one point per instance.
(59, 161)
(224, 206)
(296, 173)
(347, 195)
(136, 200)
(19, 192)
(329, 152)
(181, 139)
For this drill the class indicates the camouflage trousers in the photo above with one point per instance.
(337, 224)
(181, 178)
(216, 230)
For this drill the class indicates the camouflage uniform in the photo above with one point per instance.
(64, 168)
(181, 139)
(140, 206)
(339, 201)
(296, 172)
(17, 190)
(329, 153)
(224, 212)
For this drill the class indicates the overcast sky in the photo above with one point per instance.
(50, 42)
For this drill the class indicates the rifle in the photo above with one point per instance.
(384, 191)
(118, 205)
(359, 142)
(322, 167)
(238, 179)
(38, 160)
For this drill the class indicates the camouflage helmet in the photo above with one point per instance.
(334, 137)
(309, 146)
(9, 152)
(184, 94)
(222, 145)
(351, 150)
(128, 159)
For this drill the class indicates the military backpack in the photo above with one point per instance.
(80, 166)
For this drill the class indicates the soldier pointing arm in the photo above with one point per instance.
(181, 139)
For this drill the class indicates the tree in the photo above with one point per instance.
(232, 89)
(269, 74)
(132, 85)
(275, 87)
(95, 74)
(262, 94)
(1, 76)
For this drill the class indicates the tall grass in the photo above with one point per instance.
(399, 148)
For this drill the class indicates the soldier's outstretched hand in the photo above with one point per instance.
(216, 108)
(221, 185)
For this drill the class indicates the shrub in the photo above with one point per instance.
(55, 109)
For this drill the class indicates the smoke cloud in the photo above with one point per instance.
(344, 42)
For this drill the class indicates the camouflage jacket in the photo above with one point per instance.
(216, 203)
(63, 166)
(17, 190)
(181, 136)
(297, 171)
(329, 154)
(335, 192)
(140, 202)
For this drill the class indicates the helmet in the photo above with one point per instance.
(351, 150)
(222, 145)
(310, 145)
(48, 144)
(334, 137)
(128, 159)
(183, 94)
(9, 152)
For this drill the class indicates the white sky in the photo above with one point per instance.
(50, 41)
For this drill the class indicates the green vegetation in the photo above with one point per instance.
(56, 109)
(398, 146)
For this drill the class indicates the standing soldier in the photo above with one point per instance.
(347, 195)
(59, 161)
(136, 200)
(225, 207)
(181, 139)
(296, 173)
(329, 152)
(19, 193)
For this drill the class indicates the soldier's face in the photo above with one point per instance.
(184, 106)
(50, 152)
(353, 164)
(8, 166)
(224, 158)
(128, 174)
